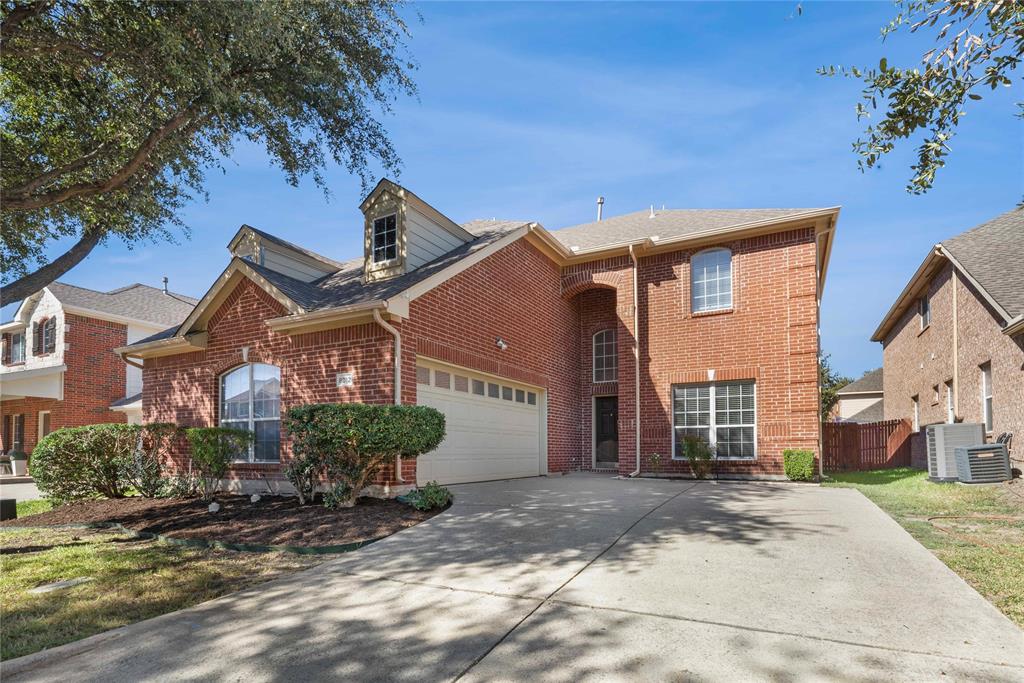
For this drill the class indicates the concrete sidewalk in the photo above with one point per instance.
(588, 577)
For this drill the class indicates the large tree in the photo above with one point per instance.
(112, 111)
(979, 44)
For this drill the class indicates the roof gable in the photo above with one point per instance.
(869, 383)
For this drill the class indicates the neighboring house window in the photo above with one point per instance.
(44, 423)
(986, 395)
(606, 357)
(250, 399)
(15, 348)
(935, 394)
(722, 414)
(44, 336)
(385, 238)
(925, 309)
(14, 433)
(711, 280)
(949, 402)
(917, 413)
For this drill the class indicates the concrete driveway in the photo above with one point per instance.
(588, 577)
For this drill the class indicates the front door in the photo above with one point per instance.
(606, 432)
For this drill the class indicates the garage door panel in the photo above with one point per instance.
(486, 438)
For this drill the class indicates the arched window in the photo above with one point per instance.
(606, 357)
(711, 280)
(250, 399)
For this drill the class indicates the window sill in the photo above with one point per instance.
(924, 329)
(714, 460)
(717, 311)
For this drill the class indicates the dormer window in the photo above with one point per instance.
(385, 239)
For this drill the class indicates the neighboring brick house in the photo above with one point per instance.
(861, 400)
(524, 338)
(953, 342)
(58, 366)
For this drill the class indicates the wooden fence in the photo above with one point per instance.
(849, 446)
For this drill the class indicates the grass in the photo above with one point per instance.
(33, 507)
(132, 580)
(987, 553)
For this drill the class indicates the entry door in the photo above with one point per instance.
(606, 431)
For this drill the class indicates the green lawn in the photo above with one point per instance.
(33, 507)
(132, 580)
(988, 552)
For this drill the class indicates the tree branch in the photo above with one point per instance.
(55, 173)
(118, 179)
(19, 14)
(29, 284)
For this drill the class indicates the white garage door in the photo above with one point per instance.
(494, 427)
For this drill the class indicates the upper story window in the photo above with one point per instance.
(250, 399)
(14, 348)
(924, 308)
(385, 238)
(606, 357)
(711, 280)
(44, 336)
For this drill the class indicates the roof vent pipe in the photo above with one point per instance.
(165, 285)
(600, 207)
(652, 211)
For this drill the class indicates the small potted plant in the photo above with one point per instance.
(19, 463)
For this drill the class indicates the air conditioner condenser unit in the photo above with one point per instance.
(942, 440)
(983, 464)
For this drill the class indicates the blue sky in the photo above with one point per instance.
(532, 110)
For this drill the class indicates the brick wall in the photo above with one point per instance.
(769, 335)
(184, 388)
(94, 379)
(916, 361)
(514, 294)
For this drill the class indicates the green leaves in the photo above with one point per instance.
(984, 42)
(114, 111)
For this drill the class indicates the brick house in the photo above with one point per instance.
(547, 351)
(58, 366)
(953, 342)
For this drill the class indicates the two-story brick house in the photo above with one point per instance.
(547, 351)
(953, 341)
(58, 366)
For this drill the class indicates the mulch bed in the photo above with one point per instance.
(274, 520)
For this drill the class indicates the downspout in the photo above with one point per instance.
(398, 378)
(124, 357)
(636, 358)
(956, 346)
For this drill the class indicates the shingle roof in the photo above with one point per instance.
(665, 224)
(870, 382)
(289, 245)
(137, 301)
(346, 286)
(993, 254)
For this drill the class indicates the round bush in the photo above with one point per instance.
(73, 463)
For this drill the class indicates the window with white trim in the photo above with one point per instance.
(385, 238)
(606, 357)
(17, 342)
(250, 399)
(723, 414)
(924, 309)
(949, 402)
(986, 395)
(711, 280)
(917, 413)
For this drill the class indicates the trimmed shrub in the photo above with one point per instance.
(213, 450)
(303, 473)
(73, 463)
(354, 440)
(145, 469)
(429, 497)
(799, 465)
(699, 454)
